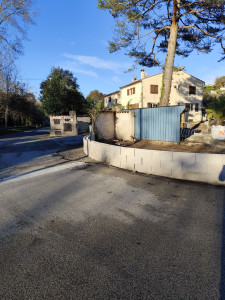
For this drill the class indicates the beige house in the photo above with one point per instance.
(186, 90)
(112, 99)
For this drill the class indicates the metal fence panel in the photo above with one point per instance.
(158, 124)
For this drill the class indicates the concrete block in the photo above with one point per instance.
(127, 158)
(214, 177)
(201, 167)
(214, 168)
(184, 157)
(85, 148)
(185, 175)
(103, 154)
(115, 157)
(162, 155)
(208, 158)
(202, 177)
(188, 166)
(167, 172)
(170, 164)
(143, 160)
(156, 170)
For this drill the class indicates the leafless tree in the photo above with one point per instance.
(15, 16)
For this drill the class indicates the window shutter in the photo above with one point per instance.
(153, 89)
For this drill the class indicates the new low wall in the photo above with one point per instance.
(202, 167)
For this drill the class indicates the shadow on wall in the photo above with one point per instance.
(222, 174)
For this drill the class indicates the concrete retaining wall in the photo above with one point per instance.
(202, 167)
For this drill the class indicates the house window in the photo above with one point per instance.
(196, 107)
(192, 107)
(133, 106)
(192, 90)
(110, 99)
(150, 105)
(131, 91)
(153, 89)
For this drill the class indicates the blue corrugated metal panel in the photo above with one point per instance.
(158, 124)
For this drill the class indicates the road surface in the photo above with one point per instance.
(31, 150)
(105, 233)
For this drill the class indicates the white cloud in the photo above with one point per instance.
(73, 67)
(85, 72)
(98, 63)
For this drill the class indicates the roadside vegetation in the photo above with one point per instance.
(18, 106)
(19, 110)
(214, 100)
(60, 94)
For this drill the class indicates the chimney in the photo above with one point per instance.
(143, 74)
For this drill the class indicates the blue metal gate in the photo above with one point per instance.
(158, 124)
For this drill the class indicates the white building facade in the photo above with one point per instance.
(185, 90)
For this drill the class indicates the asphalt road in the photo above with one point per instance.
(104, 233)
(31, 150)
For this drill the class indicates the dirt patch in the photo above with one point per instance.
(214, 146)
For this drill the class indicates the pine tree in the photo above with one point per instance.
(148, 27)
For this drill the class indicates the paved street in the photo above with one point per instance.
(105, 233)
(32, 150)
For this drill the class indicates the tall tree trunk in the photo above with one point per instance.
(168, 71)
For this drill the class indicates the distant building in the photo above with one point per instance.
(185, 90)
(63, 125)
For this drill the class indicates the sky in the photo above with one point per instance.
(74, 35)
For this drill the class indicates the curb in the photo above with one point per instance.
(48, 170)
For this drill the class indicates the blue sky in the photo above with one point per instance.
(73, 34)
